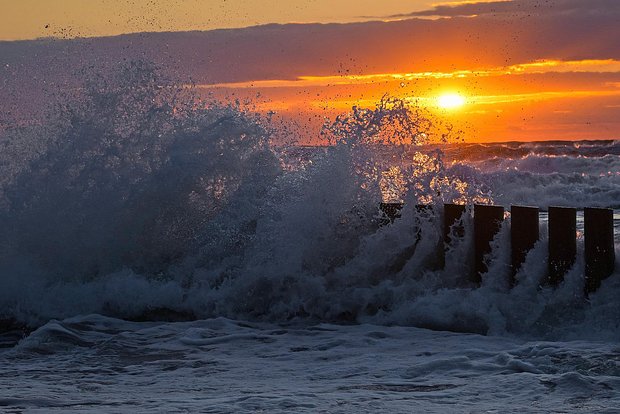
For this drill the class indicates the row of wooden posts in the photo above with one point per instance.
(599, 248)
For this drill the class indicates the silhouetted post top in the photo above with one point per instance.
(452, 213)
(599, 249)
(391, 211)
(524, 233)
(487, 222)
(562, 242)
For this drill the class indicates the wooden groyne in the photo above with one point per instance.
(599, 249)
(487, 223)
(523, 236)
(562, 242)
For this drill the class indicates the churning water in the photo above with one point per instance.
(134, 202)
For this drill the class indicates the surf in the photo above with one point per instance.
(136, 199)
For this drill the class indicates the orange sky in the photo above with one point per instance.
(29, 19)
(527, 70)
(547, 99)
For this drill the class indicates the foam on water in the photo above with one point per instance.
(93, 364)
(136, 200)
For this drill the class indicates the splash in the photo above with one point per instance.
(131, 170)
(400, 146)
(136, 199)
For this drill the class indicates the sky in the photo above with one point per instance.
(29, 19)
(521, 69)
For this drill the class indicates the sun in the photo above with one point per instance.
(450, 101)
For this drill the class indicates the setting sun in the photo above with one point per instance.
(451, 101)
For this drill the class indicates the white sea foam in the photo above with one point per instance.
(139, 202)
(94, 364)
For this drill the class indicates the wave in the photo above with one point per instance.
(581, 174)
(518, 150)
(137, 200)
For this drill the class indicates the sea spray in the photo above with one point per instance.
(127, 175)
(138, 200)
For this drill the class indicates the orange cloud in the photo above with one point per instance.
(536, 67)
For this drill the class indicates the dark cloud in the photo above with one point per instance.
(515, 8)
(560, 29)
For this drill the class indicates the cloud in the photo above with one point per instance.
(518, 8)
(562, 30)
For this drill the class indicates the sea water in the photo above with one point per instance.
(163, 254)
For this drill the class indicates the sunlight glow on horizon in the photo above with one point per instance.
(450, 101)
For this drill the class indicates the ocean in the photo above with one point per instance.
(163, 254)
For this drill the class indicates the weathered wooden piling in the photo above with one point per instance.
(451, 215)
(524, 233)
(401, 259)
(422, 211)
(562, 242)
(487, 222)
(562, 221)
(391, 211)
(599, 249)
(421, 208)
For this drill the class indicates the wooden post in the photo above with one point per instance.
(600, 255)
(562, 242)
(421, 208)
(391, 211)
(451, 214)
(524, 233)
(487, 222)
(403, 257)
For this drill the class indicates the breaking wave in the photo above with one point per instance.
(135, 199)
